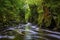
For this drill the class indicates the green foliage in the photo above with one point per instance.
(9, 11)
(35, 8)
(15, 11)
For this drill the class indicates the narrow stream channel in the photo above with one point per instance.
(28, 32)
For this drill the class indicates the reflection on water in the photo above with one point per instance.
(6, 36)
(30, 32)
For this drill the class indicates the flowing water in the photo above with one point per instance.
(28, 32)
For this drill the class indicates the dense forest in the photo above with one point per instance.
(44, 13)
(30, 19)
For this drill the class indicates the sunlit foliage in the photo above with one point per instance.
(35, 11)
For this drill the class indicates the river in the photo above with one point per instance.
(28, 32)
